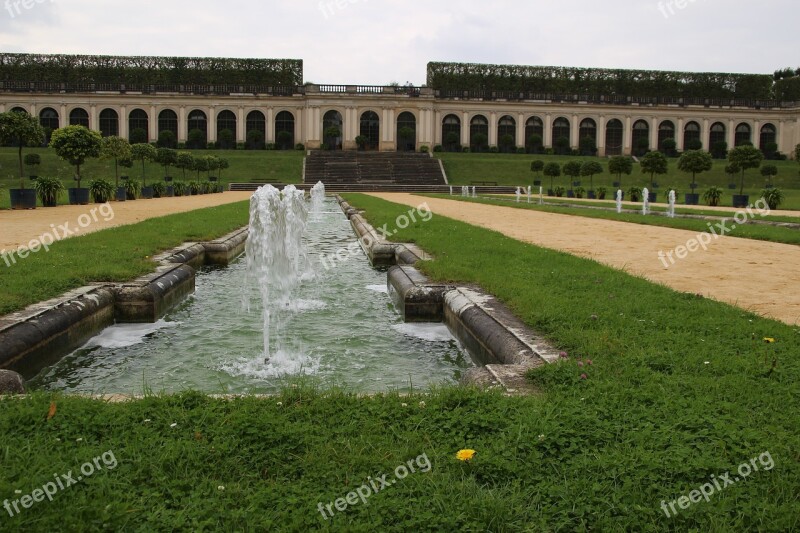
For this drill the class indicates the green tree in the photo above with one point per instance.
(695, 162)
(222, 164)
(184, 161)
(745, 157)
(535, 143)
(668, 147)
(166, 139)
(590, 168)
(226, 139)
(76, 144)
(139, 135)
(654, 163)
(507, 143)
(143, 152)
(199, 164)
(332, 134)
(588, 146)
(552, 170)
(797, 153)
(115, 148)
(769, 171)
(572, 169)
(480, 141)
(619, 165)
(166, 157)
(20, 130)
(255, 140)
(537, 166)
(562, 145)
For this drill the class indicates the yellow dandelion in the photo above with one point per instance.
(465, 455)
(769, 340)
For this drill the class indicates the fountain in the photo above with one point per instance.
(529, 194)
(317, 197)
(465, 191)
(451, 190)
(619, 201)
(519, 194)
(474, 192)
(541, 195)
(646, 201)
(672, 198)
(276, 258)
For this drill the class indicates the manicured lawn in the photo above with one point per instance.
(747, 231)
(515, 170)
(115, 254)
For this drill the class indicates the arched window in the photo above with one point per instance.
(451, 133)
(284, 130)
(534, 135)
(369, 128)
(507, 134)
(139, 126)
(19, 110)
(406, 132)
(79, 117)
(588, 137)
(332, 130)
(561, 139)
(226, 130)
(48, 118)
(691, 136)
(168, 121)
(197, 123)
(256, 130)
(716, 140)
(614, 132)
(743, 135)
(109, 123)
(641, 138)
(666, 130)
(478, 133)
(768, 140)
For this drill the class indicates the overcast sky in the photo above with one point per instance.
(383, 41)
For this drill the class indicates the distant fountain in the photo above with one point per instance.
(619, 201)
(519, 194)
(646, 201)
(276, 258)
(529, 194)
(541, 195)
(465, 191)
(317, 197)
(672, 199)
(474, 192)
(451, 190)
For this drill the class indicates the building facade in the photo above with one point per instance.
(397, 118)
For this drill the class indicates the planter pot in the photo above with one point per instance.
(550, 192)
(168, 179)
(591, 195)
(732, 186)
(169, 191)
(741, 200)
(570, 194)
(692, 199)
(78, 196)
(23, 198)
(49, 201)
(147, 193)
(537, 183)
(653, 197)
(100, 199)
(129, 196)
(121, 194)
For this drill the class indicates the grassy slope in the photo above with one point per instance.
(749, 231)
(245, 166)
(515, 169)
(115, 254)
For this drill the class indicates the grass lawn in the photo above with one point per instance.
(746, 231)
(515, 170)
(115, 254)
(245, 166)
(679, 389)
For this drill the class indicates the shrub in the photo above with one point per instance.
(494, 150)
(132, 189)
(773, 197)
(712, 196)
(601, 193)
(158, 189)
(424, 149)
(635, 194)
(299, 146)
(179, 188)
(559, 191)
(521, 150)
(579, 192)
(48, 189)
(101, 190)
(166, 139)
(139, 135)
(438, 148)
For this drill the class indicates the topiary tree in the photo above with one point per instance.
(588, 146)
(535, 144)
(537, 166)
(143, 152)
(769, 171)
(693, 144)
(719, 149)
(480, 142)
(745, 157)
(139, 135)
(184, 161)
(669, 146)
(196, 139)
(572, 169)
(226, 139)
(507, 143)
(642, 146)
(118, 149)
(166, 157)
(284, 139)
(797, 153)
(222, 164)
(552, 171)
(75, 144)
(452, 141)
(255, 140)
(562, 145)
(619, 165)
(20, 130)
(32, 161)
(590, 168)
(331, 135)
(695, 162)
(654, 163)
(166, 139)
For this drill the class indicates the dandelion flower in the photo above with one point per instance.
(221, 488)
(465, 455)
(146, 420)
(403, 405)
(422, 405)
(79, 440)
(280, 404)
(769, 340)
(173, 425)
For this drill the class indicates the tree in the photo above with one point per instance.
(642, 146)
(480, 142)
(797, 153)
(590, 168)
(211, 164)
(166, 157)
(199, 164)
(284, 139)
(452, 141)
(731, 170)
(507, 143)
(745, 157)
(166, 139)
(562, 145)
(769, 171)
(184, 161)
(537, 166)
(719, 149)
(143, 152)
(139, 135)
(552, 170)
(619, 165)
(115, 148)
(332, 134)
(654, 163)
(222, 164)
(76, 144)
(695, 162)
(588, 146)
(407, 136)
(572, 169)
(693, 144)
(255, 140)
(535, 143)
(668, 147)
(21, 130)
(196, 139)
(226, 139)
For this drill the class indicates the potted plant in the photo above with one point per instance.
(619, 165)
(144, 153)
(579, 192)
(744, 157)
(102, 190)
(119, 150)
(601, 193)
(712, 196)
(590, 168)
(195, 187)
(361, 143)
(774, 197)
(635, 194)
(75, 144)
(552, 171)
(559, 191)
(179, 188)
(21, 130)
(731, 171)
(132, 189)
(48, 189)
(158, 189)
(654, 163)
(32, 161)
(694, 162)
